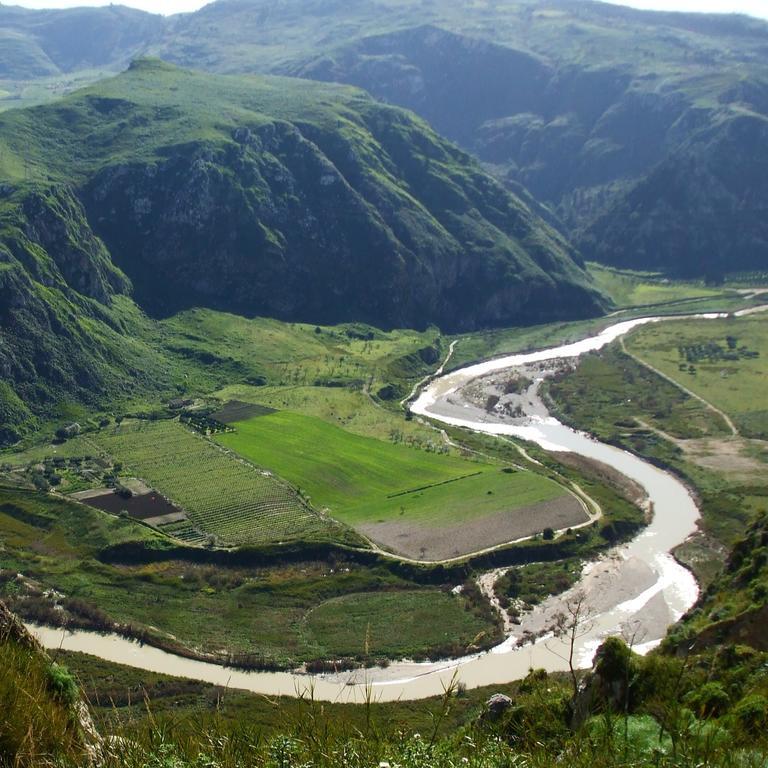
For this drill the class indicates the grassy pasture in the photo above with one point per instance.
(223, 497)
(281, 354)
(363, 481)
(362, 623)
(248, 612)
(343, 407)
(628, 288)
(698, 354)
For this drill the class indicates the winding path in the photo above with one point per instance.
(724, 416)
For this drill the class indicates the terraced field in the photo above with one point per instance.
(224, 497)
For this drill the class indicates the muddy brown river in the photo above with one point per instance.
(636, 590)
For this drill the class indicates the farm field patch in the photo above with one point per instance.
(350, 409)
(236, 410)
(363, 482)
(145, 506)
(223, 496)
(723, 361)
(433, 543)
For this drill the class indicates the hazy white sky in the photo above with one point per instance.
(752, 7)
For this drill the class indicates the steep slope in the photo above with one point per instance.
(44, 719)
(734, 609)
(579, 102)
(701, 211)
(258, 196)
(68, 332)
(293, 200)
(583, 105)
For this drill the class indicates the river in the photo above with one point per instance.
(637, 589)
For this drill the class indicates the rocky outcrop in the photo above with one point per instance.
(15, 635)
(54, 220)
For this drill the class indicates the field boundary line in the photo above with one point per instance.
(432, 485)
(724, 416)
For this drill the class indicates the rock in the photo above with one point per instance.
(496, 706)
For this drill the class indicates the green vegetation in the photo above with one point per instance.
(37, 722)
(261, 613)
(228, 499)
(360, 481)
(722, 361)
(321, 361)
(612, 391)
(631, 711)
(355, 624)
(628, 288)
(530, 584)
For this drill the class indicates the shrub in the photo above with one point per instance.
(710, 700)
(751, 714)
(62, 683)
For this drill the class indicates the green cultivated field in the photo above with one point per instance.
(223, 496)
(723, 361)
(362, 480)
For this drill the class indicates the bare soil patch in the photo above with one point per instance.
(144, 507)
(432, 544)
(730, 455)
(236, 410)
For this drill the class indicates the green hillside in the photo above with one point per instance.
(257, 196)
(622, 122)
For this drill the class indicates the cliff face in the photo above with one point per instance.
(44, 717)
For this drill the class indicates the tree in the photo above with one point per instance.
(569, 625)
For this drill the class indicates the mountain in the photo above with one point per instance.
(69, 333)
(254, 195)
(588, 106)
(701, 211)
(56, 42)
(594, 109)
